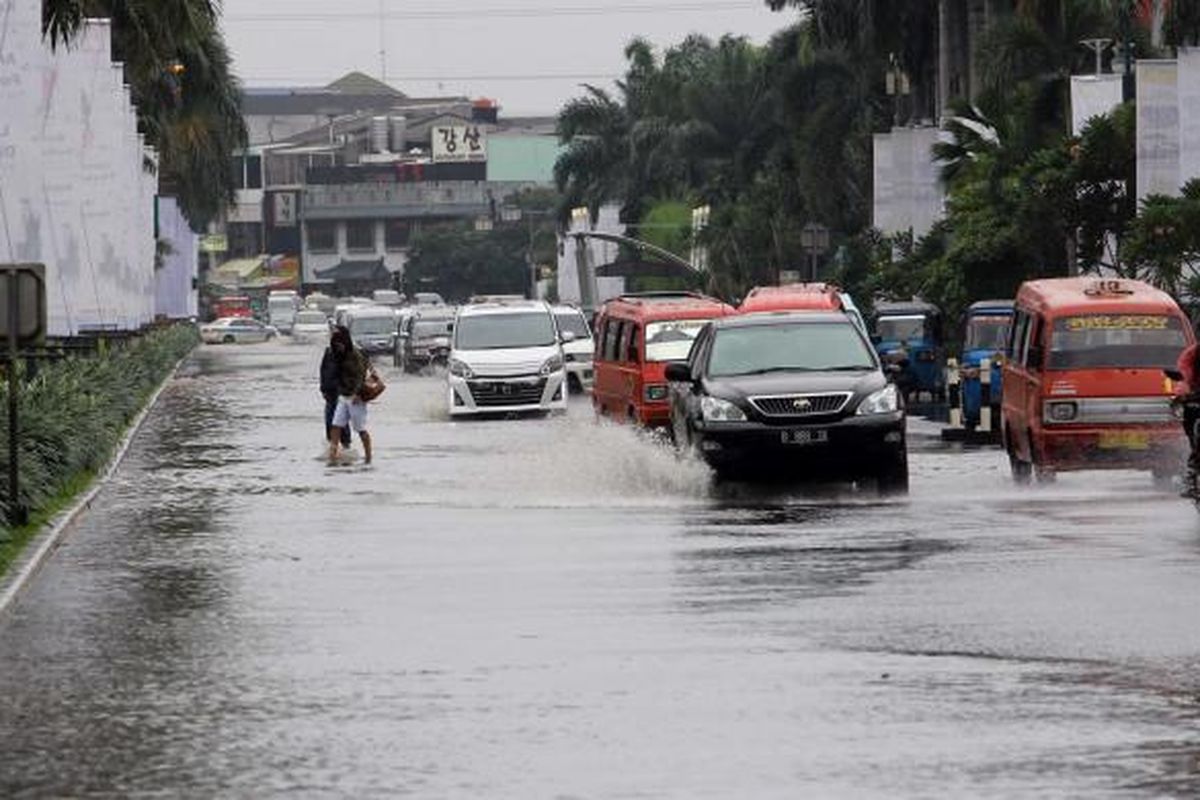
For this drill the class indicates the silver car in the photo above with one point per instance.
(236, 330)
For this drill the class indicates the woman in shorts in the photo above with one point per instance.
(351, 410)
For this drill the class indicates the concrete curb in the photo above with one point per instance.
(47, 541)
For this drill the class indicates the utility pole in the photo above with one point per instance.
(382, 43)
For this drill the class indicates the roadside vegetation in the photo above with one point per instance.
(74, 412)
(774, 137)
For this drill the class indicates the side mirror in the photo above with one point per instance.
(449, 327)
(893, 371)
(568, 337)
(1034, 357)
(1173, 374)
(679, 372)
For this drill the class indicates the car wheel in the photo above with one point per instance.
(228, 339)
(894, 477)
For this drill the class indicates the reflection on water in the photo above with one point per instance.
(559, 607)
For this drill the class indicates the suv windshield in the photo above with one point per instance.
(311, 318)
(990, 333)
(574, 322)
(497, 331)
(431, 328)
(672, 340)
(784, 347)
(372, 326)
(1116, 340)
(897, 329)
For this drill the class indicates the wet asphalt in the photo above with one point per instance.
(559, 608)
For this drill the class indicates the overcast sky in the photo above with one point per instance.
(530, 55)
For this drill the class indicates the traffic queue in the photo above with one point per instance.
(1075, 373)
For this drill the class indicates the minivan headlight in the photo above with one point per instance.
(459, 369)
(553, 364)
(714, 409)
(885, 401)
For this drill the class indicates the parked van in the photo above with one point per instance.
(637, 335)
(1083, 378)
(912, 332)
(802, 297)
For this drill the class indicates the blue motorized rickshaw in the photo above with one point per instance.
(985, 336)
(910, 334)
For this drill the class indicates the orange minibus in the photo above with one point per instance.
(637, 335)
(1083, 379)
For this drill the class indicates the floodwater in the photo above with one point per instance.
(558, 608)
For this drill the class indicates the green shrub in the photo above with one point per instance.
(74, 412)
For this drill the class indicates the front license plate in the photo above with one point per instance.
(1124, 440)
(806, 436)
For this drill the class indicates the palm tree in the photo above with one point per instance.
(181, 80)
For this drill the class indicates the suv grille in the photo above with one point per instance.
(507, 393)
(801, 405)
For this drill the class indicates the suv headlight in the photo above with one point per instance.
(885, 401)
(459, 369)
(553, 364)
(714, 409)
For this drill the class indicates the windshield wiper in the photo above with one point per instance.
(769, 370)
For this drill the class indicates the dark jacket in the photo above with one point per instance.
(351, 372)
(329, 376)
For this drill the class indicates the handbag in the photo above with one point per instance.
(372, 387)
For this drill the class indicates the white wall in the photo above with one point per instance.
(174, 295)
(601, 252)
(73, 191)
(908, 194)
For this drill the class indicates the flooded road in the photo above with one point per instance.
(557, 608)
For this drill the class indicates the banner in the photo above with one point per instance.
(1157, 128)
(1092, 96)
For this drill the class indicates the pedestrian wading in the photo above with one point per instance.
(73, 413)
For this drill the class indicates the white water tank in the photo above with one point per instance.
(379, 134)
(399, 133)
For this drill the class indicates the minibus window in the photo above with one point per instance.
(631, 350)
(612, 331)
(672, 340)
(1115, 341)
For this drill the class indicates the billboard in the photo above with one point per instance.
(452, 143)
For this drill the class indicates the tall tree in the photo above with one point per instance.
(181, 80)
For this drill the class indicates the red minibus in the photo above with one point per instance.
(637, 335)
(1083, 378)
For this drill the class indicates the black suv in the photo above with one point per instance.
(788, 395)
(424, 338)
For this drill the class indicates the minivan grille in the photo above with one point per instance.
(507, 393)
(801, 405)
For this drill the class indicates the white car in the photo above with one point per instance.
(310, 326)
(236, 330)
(506, 358)
(578, 352)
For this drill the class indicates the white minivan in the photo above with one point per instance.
(578, 352)
(506, 358)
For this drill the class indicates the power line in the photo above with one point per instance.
(466, 15)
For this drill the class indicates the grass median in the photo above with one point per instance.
(73, 414)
